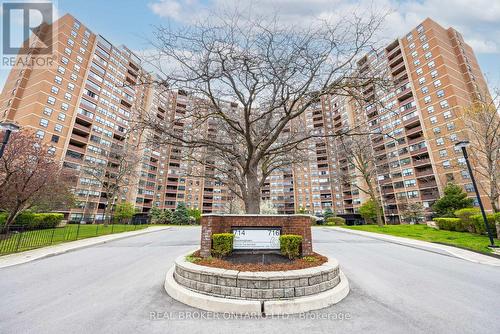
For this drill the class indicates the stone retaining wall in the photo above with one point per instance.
(256, 285)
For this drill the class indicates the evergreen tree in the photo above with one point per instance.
(328, 213)
(454, 199)
(180, 215)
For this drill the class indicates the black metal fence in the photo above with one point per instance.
(17, 238)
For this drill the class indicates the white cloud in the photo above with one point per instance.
(477, 20)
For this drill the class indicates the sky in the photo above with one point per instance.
(132, 22)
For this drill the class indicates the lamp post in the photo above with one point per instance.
(463, 145)
(8, 128)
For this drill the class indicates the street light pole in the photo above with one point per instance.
(8, 128)
(463, 145)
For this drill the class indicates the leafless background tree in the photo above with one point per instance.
(482, 125)
(360, 156)
(252, 80)
(115, 176)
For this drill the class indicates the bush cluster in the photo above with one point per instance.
(290, 245)
(35, 221)
(222, 244)
(331, 221)
(468, 220)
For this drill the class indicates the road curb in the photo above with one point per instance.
(425, 245)
(30, 255)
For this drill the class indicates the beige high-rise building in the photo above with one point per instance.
(84, 107)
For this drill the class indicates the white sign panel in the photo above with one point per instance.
(256, 238)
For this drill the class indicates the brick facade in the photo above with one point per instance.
(289, 224)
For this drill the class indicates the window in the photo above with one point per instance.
(421, 80)
(47, 111)
(410, 183)
(428, 55)
(67, 51)
(444, 104)
(61, 69)
(71, 42)
(407, 171)
(71, 86)
(77, 68)
(465, 174)
(433, 120)
(86, 34)
(450, 126)
(446, 164)
(440, 141)
(420, 29)
(431, 64)
(437, 130)
(79, 59)
(58, 127)
(414, 54)
(64, 60)
(74, 77)
(58, 79)
(55, 139)
(412, 46)
(73, 33)
(40, 134)
(434, 73)
(416, 62)
(425, 90)
(44, 122)
(67, 96)
(427, 99)
(51, 100)
(425, 46)
(76, 25)
(469, 187)
(54, 90)
(61, 116)
(420, 71)
(453, 137)
(64, 106)
(437, 83)
(440, 93)
(51, 150)
(443, 153)
(430, 109)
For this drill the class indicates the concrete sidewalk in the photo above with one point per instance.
(449, 250)
(39, 253)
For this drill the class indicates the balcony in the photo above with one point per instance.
(424, 172)
(77, 149)
(78, 138)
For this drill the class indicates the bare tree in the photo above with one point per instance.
(360, 155)
(30, 177)
(113, 175)
(413, 212)
(251, 79)
(482, 126)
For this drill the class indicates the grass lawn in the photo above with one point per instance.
(470, 241)
(40, 238)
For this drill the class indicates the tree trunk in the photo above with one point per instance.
(10, 219)
(252, 196)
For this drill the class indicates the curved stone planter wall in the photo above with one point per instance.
(274, 285)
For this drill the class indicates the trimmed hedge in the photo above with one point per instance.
(290, 245)
(222, 244)
(479, 223)
(35, 221)
(332, 221)
(465, 215)
(450, 224)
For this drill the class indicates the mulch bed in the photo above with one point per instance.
(289, 265)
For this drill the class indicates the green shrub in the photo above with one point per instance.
(479, 223)
(450, 224)
(290, 245)
(465, 216)
(25, 218)
(46, 220)
(222, 244)
(3, 218)
(332, 221)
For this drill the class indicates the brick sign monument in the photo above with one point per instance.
(255, 232)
